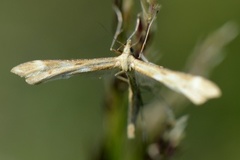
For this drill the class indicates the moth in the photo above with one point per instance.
(197, 89)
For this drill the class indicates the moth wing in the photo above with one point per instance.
(195, 88)
(39, 71)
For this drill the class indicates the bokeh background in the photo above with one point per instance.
(63, 119)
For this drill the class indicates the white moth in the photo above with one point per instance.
(195, 88)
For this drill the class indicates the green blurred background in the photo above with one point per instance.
(63, 119)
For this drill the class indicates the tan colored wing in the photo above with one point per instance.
(39, 71)
(195, 88)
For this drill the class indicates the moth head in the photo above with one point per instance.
(127, 48)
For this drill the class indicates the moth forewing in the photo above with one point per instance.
(195, 88)
(39, 71)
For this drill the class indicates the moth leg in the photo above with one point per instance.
(151, 17)
(136, 27)
(119, 28)
(121, 77)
